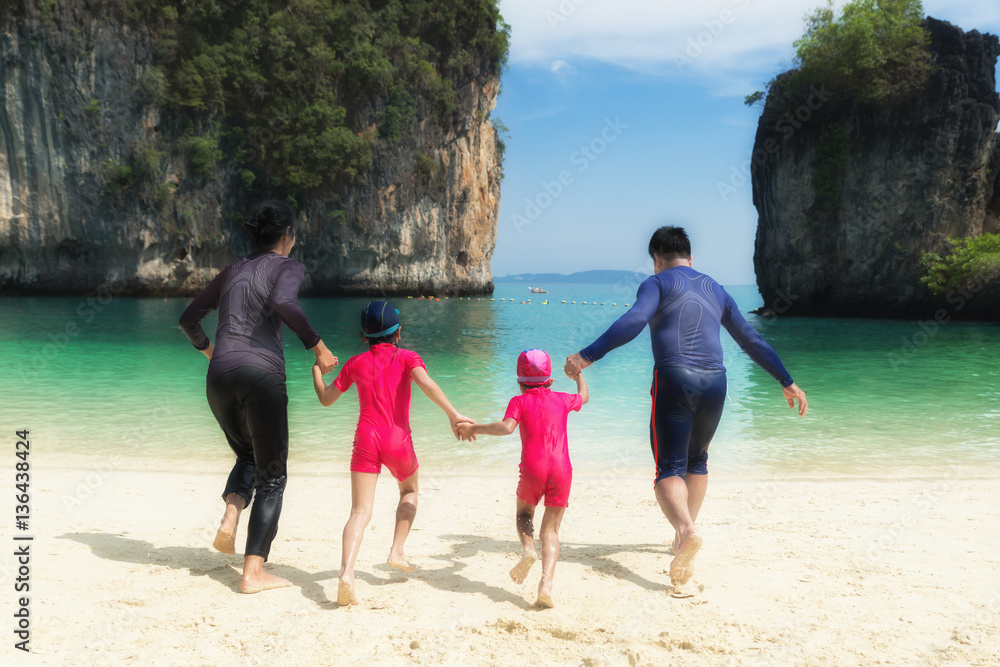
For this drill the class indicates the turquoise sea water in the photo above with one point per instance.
(117, 383)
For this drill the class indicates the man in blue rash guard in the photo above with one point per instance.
(685, 311)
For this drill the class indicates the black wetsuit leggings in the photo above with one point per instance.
(251, 406)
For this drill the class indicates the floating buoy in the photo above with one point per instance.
(503, 299)
(563, 301)
(626, 305)
(545, 302)
(409, 297)
(614, 304)
(573, 302)
(602, 303)
(492, 299)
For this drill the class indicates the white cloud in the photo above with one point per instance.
(719, 39)
(561, 67)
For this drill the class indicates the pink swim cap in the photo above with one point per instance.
(533, 367)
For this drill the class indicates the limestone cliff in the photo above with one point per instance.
(849, 196)
(73, 109)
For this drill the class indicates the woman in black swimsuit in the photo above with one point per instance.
(256, 296)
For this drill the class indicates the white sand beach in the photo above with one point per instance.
(793, 572)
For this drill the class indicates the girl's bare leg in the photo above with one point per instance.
(551, 521)
(362, 499)
(526, 533)
(405, 513)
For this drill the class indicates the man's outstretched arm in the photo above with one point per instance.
(763, 354)
(625, 328)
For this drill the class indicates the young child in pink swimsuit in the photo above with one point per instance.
(383, 375)
(545, 468)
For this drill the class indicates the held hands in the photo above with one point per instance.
(457, 422)
(792, 392)
(464, 431)
(324, 358)
(574, 364)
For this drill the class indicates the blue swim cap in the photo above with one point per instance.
(379, 319)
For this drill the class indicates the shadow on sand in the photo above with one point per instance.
(226, 569)
(199, 562)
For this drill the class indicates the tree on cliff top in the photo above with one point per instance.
(876, 52)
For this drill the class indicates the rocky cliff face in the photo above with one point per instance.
(850, 196)
(72, 111)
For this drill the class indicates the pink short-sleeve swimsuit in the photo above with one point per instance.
(382, 375)
(545, 468)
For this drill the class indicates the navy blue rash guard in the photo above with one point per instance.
(256, 296)
(685, 310)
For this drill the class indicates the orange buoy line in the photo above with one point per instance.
(505, 299)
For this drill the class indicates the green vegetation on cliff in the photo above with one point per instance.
(299, 93)
(875, 52)
(971, 261)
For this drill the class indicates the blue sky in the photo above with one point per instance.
(627, 114)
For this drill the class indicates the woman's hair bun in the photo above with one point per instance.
(268, 222)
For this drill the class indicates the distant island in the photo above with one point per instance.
(609, 277)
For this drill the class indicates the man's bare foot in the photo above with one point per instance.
(681, 591)
(520, 571)
(680, 567)
(545, 600)
(346, 595)
(263, 582)
(225, 542)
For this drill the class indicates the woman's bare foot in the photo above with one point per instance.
(520, 571)
(345, 593)
(225, 542)
(262, 581)
(225, 537)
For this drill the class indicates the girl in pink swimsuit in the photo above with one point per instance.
(383, 375)
(545, 468)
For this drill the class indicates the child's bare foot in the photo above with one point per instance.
(545, 600)
(225, 542)
(680, 567)
(262, 582)
(345, 594)
(520, 571)
(400, 563)
(544, 594)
